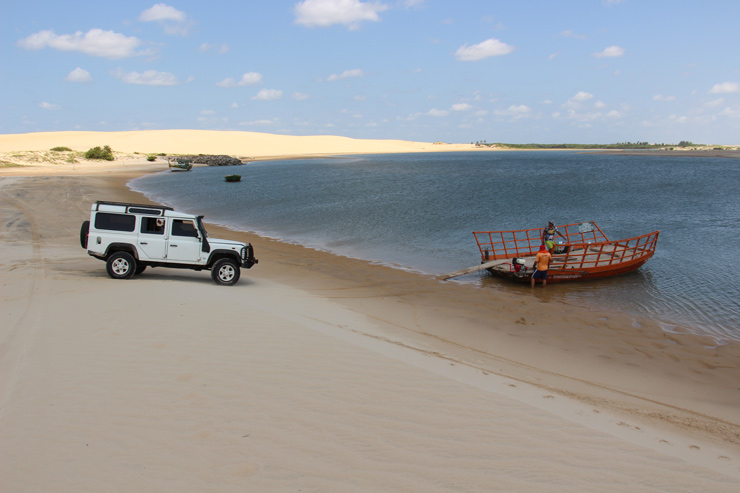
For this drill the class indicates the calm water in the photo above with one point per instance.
(418, 211)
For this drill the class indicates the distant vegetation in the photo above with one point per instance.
(618, 145)
(61, 149)
(98, 153)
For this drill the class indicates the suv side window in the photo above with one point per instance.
(183, 228)
(152, 225)
(115, 222)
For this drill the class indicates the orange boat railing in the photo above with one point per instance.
(605, 254)
(496, 245)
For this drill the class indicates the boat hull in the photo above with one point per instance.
(571, 275)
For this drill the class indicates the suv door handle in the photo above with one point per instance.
(143, 243)
(173, 245)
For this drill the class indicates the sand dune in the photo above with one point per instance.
(241, 144)
(324, 373)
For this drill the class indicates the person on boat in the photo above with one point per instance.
(548, 236)
(541, 264)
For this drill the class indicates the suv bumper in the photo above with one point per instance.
(247, 257)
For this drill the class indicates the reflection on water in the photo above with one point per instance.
(418, 212)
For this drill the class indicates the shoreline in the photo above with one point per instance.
(331, 271)
(678, 153)
(319, 272)
(669, 393)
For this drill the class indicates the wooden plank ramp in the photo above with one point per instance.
(475, 268)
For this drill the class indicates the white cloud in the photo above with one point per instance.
(228, 82)
(220, 48)
(461, 107)
(95, 42)
(731, 112)
(259, 122)
(715, 103)
(324, 13)
(577, 100)
(571, 34)
(248, 79)
(78, 75)
(660, 97)
(346, 75)
(725, 88)
(300, 96)
(268, 95)
(148, 78)
(610, 51)
(436, 112)
(488, 48)
(207, 112)
(162, 12)
(515, 111)
(173, 21)
(49, 106)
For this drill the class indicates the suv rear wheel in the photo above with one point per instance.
(225, 271)
(84, 231)
(121, 265)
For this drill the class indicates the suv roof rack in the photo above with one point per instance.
(128, 204)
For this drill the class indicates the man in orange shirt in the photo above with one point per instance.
(541, 264)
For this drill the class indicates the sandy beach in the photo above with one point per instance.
(318, 372)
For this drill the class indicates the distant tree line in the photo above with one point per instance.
(618, 145)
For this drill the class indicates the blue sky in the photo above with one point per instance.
(583, 71)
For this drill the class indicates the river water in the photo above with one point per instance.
(418, 211)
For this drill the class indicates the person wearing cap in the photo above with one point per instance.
(548, 236)
(541, 264)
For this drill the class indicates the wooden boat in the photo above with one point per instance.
(586, 253)
(181, 165)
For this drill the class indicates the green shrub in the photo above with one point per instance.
(61, 149)
(151, 158)
(98, 153)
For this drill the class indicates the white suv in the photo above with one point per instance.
(132, 237)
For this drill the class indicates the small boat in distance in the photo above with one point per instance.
(585, 254)
(181, 165)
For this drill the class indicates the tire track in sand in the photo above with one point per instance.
(27, 282)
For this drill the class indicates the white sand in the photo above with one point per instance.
(317, 373)
(240, 144)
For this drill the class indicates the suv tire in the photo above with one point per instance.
(225, 271)
(121, 265)
(84, 231)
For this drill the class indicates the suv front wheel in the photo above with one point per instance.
(225, 271)
(121, 265)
